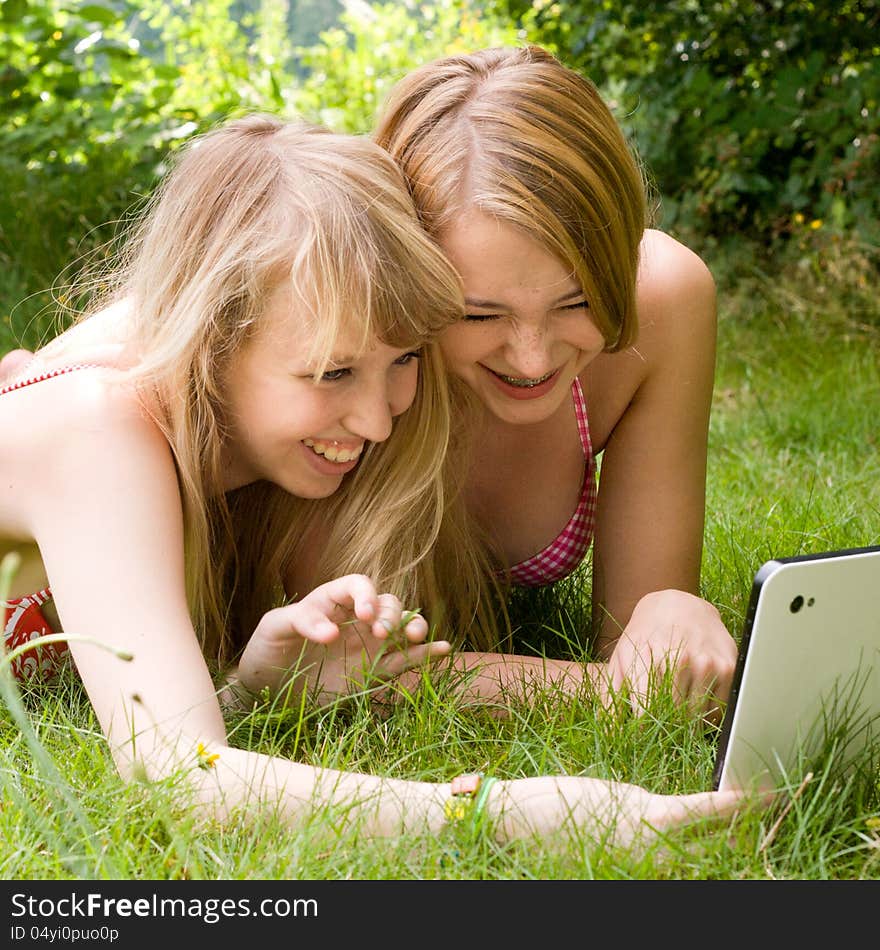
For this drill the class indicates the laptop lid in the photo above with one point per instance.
(809, 659)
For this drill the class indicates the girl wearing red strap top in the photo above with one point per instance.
(262, 368)
(586, 334)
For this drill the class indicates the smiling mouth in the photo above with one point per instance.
(523, 382)
(332, 450)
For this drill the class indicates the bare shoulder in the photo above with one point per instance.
(102, 416)
(102, 442)
(676, 302)
(85, 400)
(96, 340)
(74, 432)
(675, 286)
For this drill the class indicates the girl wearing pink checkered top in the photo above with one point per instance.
(587, 334)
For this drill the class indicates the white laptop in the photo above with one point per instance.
(808, 668)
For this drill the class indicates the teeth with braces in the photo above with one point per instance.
(332, 451)
(525, 383)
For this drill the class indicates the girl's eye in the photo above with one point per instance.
(482, 316)
(333, 374)
(581, 305)
(407, 358)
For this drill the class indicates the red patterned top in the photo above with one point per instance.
(565, 552)
(23, 618)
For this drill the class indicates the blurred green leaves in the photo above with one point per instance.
(746, 112)
(755, 118)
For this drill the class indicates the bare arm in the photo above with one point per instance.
(107, 517)
(651, 508)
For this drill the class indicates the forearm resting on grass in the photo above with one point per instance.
(228, 782)
(504, 678)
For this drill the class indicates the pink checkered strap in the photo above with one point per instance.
(566, 551)
(49, 374)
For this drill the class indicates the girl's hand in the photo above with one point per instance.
(621, 814)
(677, 632)
(335, 640)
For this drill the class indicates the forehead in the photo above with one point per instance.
(492, 255)
(289, 318)
(293, 327)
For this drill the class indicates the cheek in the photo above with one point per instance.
(247, 406)
(591, 338)
(465, 344)
(295, 410)
(580, 333)
(404, 390)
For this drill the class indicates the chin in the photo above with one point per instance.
(315, 492)
(524, 417)
(524, 412)
(309, 488)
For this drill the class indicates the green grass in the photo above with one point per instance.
(793, 468)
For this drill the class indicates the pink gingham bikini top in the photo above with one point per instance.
(565, 552)
(23, 618)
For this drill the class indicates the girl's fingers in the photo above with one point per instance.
(309, 621)
(388, 616)
(679, 810)
(393, 618)
(708, 805)
(354, 593)
(399, 661)
(417, 629)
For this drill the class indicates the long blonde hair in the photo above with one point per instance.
(257, 201)
(515, 133)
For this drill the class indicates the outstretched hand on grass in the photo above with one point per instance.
(338, 639)
(675, 633)
(625, 816)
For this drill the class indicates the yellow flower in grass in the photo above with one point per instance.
(206, 759)
(456, 809)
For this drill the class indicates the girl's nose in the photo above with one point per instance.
(528, 352)
(370, 415)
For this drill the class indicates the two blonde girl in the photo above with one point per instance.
(263, 367)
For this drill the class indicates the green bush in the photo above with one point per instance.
(753, 116)
(348, 73)
(93, 97)
(756, 118)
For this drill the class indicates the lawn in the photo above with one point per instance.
(793, 467)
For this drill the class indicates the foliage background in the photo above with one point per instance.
(756, 119)
(94, 97)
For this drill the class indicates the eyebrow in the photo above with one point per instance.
(495, 305)
(335, 362)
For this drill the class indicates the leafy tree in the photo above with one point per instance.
(348, 73)
(757, 116)
(93, 97)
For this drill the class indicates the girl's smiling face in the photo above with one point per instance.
(301, 434)
(528, 330)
